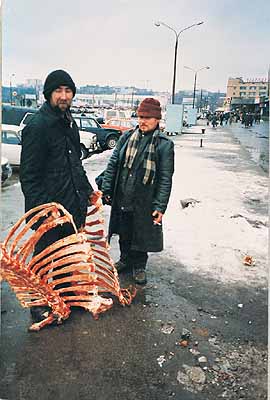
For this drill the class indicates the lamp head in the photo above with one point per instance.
(157, 23)
(200, 23)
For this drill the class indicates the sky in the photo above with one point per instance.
(115, 42)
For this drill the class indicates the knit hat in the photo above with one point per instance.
(149, 107)
(55, 79)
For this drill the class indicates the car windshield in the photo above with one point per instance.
(89, 123)
(27, 118)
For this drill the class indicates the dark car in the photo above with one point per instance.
(106, 138)
(13, 115)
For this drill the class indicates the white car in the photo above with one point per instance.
(11, 143)
(88, 143)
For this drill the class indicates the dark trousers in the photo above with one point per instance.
(135, 258)
(51, 237)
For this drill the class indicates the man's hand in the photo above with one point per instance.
(157, 217)
(94, 199)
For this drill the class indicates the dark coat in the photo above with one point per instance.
(50, 168)
(146, 235)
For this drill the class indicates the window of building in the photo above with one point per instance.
(263, 87)
(252, 88)
(242, 87)
(242, 93)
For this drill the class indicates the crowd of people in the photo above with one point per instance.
(223, 118)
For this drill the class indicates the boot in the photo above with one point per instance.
(139, 276)
(121, 265)
(39, 313)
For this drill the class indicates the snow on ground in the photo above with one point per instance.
(205, 238)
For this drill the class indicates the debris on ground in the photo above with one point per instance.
(167, 329)
(248, 260)
(186, 202)
(161, 359)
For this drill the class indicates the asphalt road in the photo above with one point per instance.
(133, 352)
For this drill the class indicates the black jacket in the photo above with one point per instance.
(50, 168)
(146, 235)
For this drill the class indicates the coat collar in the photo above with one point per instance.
(50, 115)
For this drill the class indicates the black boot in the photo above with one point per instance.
(39, 313)
(122, 264)
(139, 275)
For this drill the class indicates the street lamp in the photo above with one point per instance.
(158, 23)
(195, 80)
(10, 88)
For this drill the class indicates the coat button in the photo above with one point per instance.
(130, 174)
(70, 151)
(122, 208)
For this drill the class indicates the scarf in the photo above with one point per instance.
(149, 162)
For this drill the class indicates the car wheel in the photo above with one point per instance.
(111, 141)
(84, 152)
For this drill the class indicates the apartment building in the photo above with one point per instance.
(249, 89)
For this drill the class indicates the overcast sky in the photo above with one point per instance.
(115, 42)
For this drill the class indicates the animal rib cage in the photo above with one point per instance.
(86, 278)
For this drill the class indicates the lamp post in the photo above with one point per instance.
(195, 80)
(10, 88)
(158, 23)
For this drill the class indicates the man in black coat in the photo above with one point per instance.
(50, 167)
(137, 183)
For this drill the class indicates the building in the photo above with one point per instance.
(250, 94)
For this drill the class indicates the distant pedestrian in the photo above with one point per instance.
(221, 118)
(137, 182)
(227, 117)
(214, 121)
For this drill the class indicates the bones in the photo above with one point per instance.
(82, 257)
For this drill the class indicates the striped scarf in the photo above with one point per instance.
(149, 162)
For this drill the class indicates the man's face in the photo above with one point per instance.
(147, 124)
(61, 98)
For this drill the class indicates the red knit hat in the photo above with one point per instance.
(149, 107)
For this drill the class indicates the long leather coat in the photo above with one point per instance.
(50, 167)
(146, 235)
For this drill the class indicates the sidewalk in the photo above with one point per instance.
(230, 220)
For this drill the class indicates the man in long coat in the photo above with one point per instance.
(50, 167)
(137, 183)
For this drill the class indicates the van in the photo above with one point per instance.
(13, 115)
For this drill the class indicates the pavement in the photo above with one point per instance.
(197, 330)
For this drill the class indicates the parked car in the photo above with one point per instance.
(13, 115)
(115, 114)
(106, 138)
(88, 143)
(122, 124)
(11, 143)
(6, 170)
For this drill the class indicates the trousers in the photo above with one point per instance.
(137, 259)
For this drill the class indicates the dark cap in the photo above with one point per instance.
(55, 79)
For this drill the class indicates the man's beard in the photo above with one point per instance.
(63, 106)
